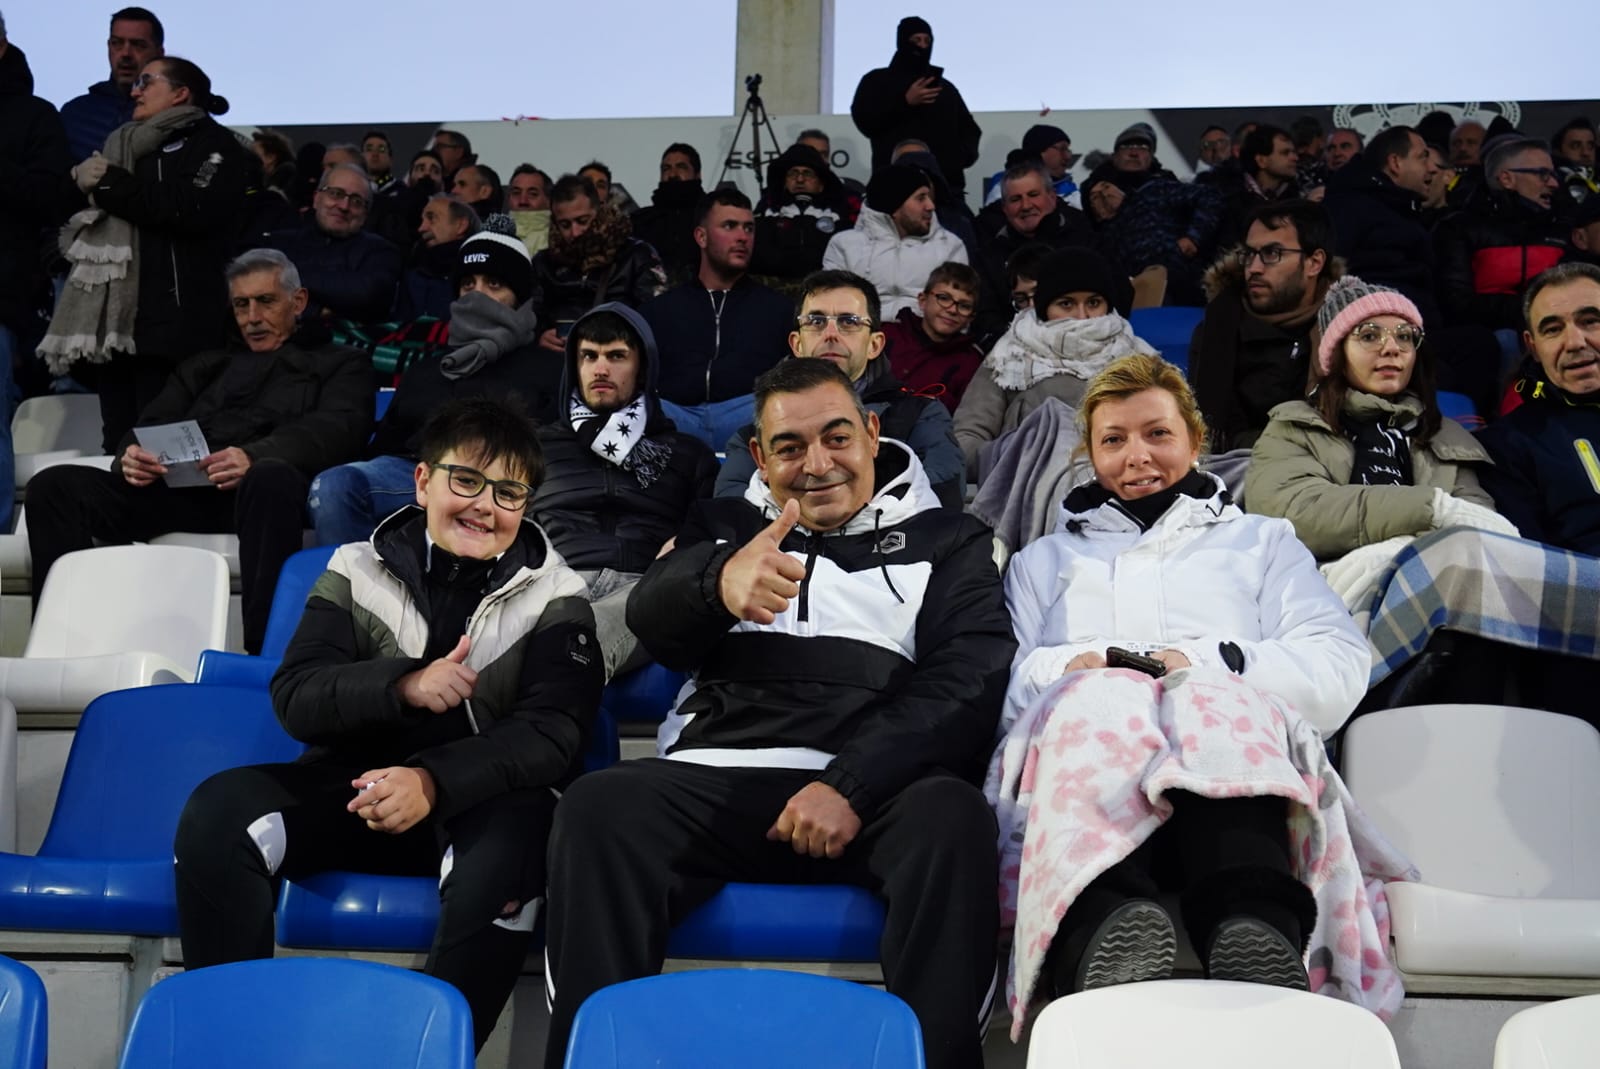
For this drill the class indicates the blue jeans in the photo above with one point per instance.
(348, 501)
(714, 422)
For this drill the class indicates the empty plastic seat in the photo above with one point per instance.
(54, 428)
(358, 911)
(300, 573)
(310, 1013)
(118, 617)
(717, 1018)
(1496, 807)
(1557, 1035)
(1458, 406)
(644, 695)
(22, 1017)
(1207, 1024)
(1168, 329)
(106, 861)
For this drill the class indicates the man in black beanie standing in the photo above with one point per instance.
(910, 99)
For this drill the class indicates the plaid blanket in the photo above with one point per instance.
(1511, 590)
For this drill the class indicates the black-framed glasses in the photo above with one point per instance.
(949, 303)
(1020, 300)
(1370, 336)
(1544, 174)
(1270, 254)
(847, 322)
(343, 196)
(469, 482)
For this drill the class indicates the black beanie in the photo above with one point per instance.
(1074, 269)
(909, 25)
(893, 185)
(499, 256)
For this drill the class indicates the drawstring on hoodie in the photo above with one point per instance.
(877, 547)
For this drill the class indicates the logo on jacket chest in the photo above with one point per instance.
(892, 542)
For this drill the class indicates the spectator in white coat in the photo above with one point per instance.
(897, 240)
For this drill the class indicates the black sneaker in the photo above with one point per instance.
(1135, 942)
(1250, 950)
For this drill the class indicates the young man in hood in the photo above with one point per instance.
(619, 476)
(850, 645)
(837, 319)
(912, 99)
(444, 675)
(897, 240)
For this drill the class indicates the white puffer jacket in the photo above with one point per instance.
(1205, 574)
(898, 266)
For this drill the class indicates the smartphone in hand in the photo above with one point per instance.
(1117, 657)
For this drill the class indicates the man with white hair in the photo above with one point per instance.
(273, 414)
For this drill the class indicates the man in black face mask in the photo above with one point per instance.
(910, 99)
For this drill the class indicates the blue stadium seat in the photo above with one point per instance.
(300, 573)
(302, 1012)
(106, 861)
(358, 911)
(732, 1018)
(22, 1016)
(644, 695)
(1458, 406)
(1169, 330)
(783, 922)
(382, 401)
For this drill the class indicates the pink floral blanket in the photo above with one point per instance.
(1078, 783)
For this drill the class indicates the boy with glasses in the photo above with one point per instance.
(930, 347)
(444, 674)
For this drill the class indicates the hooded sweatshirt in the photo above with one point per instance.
(946, 126)
(599, 512)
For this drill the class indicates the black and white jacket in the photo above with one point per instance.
(889, 665)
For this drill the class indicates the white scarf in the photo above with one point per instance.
(620, 439)
(1032, 351)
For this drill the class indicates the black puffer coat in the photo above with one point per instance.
(596, 512)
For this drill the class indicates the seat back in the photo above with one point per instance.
(300, 573)
(306, 1012)
(139, 753)
(22, 1016)
(1207, 1024)
(1557, 1035)
(57, 421)
(1168, 329)
(716, 1018)
(1483, 798)
(168, 600)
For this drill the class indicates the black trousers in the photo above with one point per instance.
(638, 846)
(1225, 856)
(71, 507)
(296, 815)
(125, 385)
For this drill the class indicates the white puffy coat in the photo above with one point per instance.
(1204, 574)
(899, 267)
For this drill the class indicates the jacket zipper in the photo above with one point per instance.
(813, 543)
(716, 343)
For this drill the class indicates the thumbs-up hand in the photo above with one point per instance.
(444, 684)
(758, 581)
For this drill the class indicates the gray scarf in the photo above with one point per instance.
(98, 307)
(482, 330)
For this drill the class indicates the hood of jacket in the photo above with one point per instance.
(16, 77)
(801, 156)
(529, 556)
(649, 359)
(1108, 518)
(900, 491)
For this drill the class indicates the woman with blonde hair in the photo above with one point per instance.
(1178, 664)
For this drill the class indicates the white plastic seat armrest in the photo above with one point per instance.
(1440, 932)
(69, 684)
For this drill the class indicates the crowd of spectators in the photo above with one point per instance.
(567, 360)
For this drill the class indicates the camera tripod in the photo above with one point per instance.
(756, 113)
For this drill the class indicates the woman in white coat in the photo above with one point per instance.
(1185, 782)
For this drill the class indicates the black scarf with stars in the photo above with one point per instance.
(619, 439)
